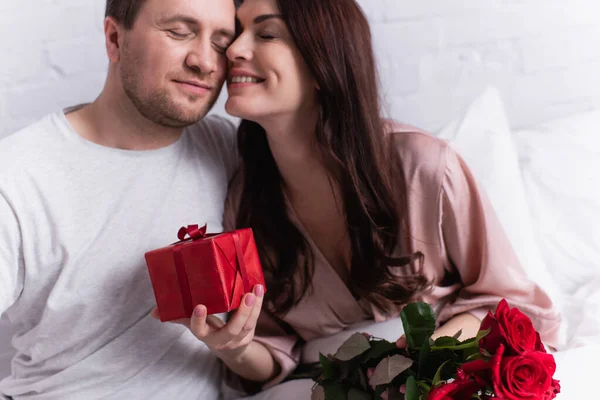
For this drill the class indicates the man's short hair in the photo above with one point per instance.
(124, 11)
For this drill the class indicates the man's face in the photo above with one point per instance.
(173, 62)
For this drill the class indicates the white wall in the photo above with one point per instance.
(544, 55)
(434, 55)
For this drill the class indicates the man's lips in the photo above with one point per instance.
(194, 86)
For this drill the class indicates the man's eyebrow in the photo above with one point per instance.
(179, 18)
(263, 18)
(192, 21)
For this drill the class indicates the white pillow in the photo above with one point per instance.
(560, 163)
(6, 350)
(482, 137)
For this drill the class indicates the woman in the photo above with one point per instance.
(353, 216)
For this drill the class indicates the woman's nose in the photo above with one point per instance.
(239, 50)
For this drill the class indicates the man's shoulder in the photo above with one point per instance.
(212, 126)
(213, 133)
(27, 134)
(28, 144)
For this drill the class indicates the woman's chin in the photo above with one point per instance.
(235, 109)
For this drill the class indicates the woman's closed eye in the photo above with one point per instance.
(267, 36)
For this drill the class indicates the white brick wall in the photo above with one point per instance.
(434, 56)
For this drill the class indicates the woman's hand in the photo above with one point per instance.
(227, 340)
(401, 342)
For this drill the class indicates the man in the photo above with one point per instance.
(85, 192)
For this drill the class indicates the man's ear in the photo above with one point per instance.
(113, 35)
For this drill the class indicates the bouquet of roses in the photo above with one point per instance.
(506, 360)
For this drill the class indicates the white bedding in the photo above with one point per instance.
(6, 350)
(582, 315)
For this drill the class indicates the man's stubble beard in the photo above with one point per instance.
(157, 105)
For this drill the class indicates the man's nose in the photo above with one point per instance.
(203, 58)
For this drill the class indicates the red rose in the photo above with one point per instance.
(456, 390)
(495, 337)
(462, 388)
(527, 376)
(511, 328)
(553, 390)
(479, 370)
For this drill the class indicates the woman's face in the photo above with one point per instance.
(268, 76)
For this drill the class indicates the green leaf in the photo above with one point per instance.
(449, 343)
(468, 353)
(446, 341)
(378, 349)
(412, 391)
(328, 367)
(423, 358)
(334, 391)
(354, 346)
(362, 378)
(355, 394)
(344, 370)
(482, 334)
(418, 320)
(476, 356)
(437, 377)
(426, 388)
(388, 369)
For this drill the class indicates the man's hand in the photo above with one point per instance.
(227, 340)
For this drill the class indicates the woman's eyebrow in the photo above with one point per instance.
(259, 19)
(264, 17)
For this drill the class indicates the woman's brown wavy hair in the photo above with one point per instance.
(335, 40)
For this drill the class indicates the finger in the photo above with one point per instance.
(237, 322)
(198, 324)
(250, 325)
(155, 314)
(401, 342)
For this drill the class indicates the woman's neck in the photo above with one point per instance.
(292, 142)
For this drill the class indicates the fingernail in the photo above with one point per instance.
(200, 311)
(250, 298)
(259, 290)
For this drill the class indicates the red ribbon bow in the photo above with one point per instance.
(192, 231)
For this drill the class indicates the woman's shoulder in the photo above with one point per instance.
(411, 139)
(421, 155)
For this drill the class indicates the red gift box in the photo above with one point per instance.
(215, 270)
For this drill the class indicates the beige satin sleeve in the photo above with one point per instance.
(479, 250)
